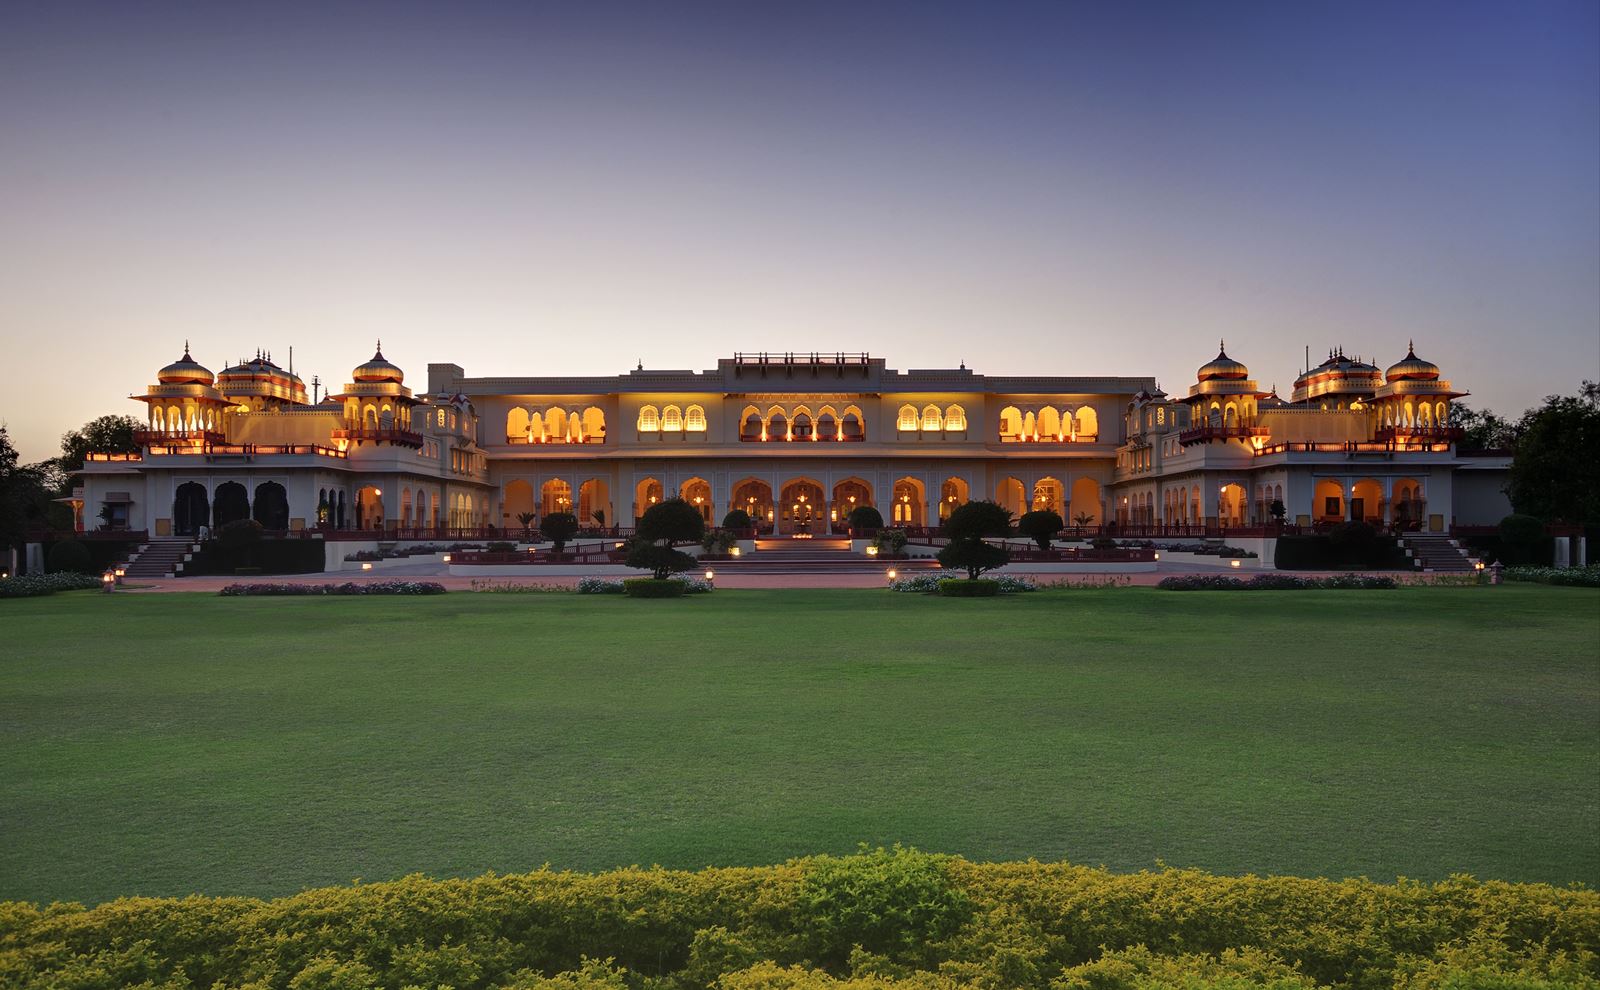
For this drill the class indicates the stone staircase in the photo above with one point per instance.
(822, 555)
(161, 558)
(1437, 552)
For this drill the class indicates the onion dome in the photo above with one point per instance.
(1412, 368)
(378, 370)
(184, 371)
(1223, 366)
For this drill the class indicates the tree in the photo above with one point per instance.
(1040, 525)
(1522, 541)
(967, 526)
(558, 528)
(1083, 519)
(660, 560)
(25, 496)
(526, 519)
(975, 520)
(104, 435)
(670, 523)
(1277, 509)
(69, 556)
(864, 517)
(736, 519)
(1482, 430)
(973, 556)
(1555, 472)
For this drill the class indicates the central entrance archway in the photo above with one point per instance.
(755, 497)
(848, 495)
(800, 507)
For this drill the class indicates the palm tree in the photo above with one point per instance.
(526, 519)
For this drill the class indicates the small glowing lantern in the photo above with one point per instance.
(872, 551)
(732, 552)
(1234, 562)
(366, 565)
(711, 575)
(1158, 554)
(891, 574)
(120, 571)
(447, 558)
(108, 581)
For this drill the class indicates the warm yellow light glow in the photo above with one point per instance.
(711, 575)
(367, 566)
(1233, 563)
(377, 491)
(735, 551)
(1158, 554)
(872, 551)
(447, 558)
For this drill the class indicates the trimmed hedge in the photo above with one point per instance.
(349, 588)
(35, 585)
(1319, 552)
(967, 588)
(879, 920)
(1578, 577)
(69, 557)
(653, 588)
(1275, 582)
(271, 556)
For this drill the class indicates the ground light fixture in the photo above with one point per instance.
(732, 551)
(711, 575)
(108, 581)
(1234, 562)
(366, 565)
(872, 551)
(1158, 554)
(891, 573)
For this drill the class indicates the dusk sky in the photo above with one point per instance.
(569, 189)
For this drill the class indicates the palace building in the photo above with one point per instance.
(797, 440)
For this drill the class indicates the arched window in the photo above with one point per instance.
(802, 424)
(594, 423)
(850, 427)
(672, 420)
(517, 424)
(907, 419)
(649, 419)
(931, 420)
(955, 419)
(1049, 424)
(1087, 423)
(827, 424)
(777, 425)
(694, 419)
(536, 428)
(1010, 423)
(751, 426)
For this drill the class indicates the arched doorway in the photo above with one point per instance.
(800, 506)
(555, 496)
(1366, 501)
(1086, 508)
(908, 503)
(1047, 496)
(848, 495)
(1230, 505)
(517, 497)
(369, 508)
(645, 494)
(230, 504)
(1410, 506)
(754, 496)
(697, 492)
(952, 492)
(1328, 501)
(271, 508)
(1011, 497)
(190, 509)
(594, 503)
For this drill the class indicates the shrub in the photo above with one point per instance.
(35, 585)
(495, 546)
(492, 587)
(975, 520)
(890, 542)
(671, 522)
(661, 561)
(1040, 525)
(653, 587)
(1274, 582)
(349, 588)
(921, 584)
(718, 542)
(972, 555)
(1580, 577)
(737, 519)
(69, 557)
(1010, 584)
(1103, 543)
(970, 588)
(558, 528)
(864, 517)
(599, 586)
(1523, 542)
(1318, 552)
(922, 923)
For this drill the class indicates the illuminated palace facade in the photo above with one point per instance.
(795, 440)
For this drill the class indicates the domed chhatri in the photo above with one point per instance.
(1223, 366)
(1412, 368)
(185, 371)
(379, 369)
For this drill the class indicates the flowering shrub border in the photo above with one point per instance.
(928, 584)
(600, 586)
(35, 585)
(1275, 582)
(492, 587)
(350, 588)
(1576, 577)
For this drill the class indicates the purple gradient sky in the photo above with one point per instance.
(1074, 189)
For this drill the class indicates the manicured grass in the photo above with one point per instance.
(163, 744)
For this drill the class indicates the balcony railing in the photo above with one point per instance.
(837, 438)
(405, 438)
(1422, 434)
(541, 442)
(1204, 434)
(163, 437)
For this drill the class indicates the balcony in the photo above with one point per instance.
(1021, 438)
(1418, 434)
(1205, 434)
(522, 441)
(165, 438)
(816, 438)
(404, 438)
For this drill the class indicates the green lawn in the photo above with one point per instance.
(163, 744)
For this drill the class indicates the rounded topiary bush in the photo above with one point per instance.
(972, 588)
(69, 556)
(865, 517)
(737, 519)
(653, 588)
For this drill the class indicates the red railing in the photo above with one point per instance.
(403, 437)
(162, 437)
(1202, 434)
(540, 442)
(1080, 438)
(838, 438)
